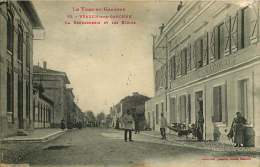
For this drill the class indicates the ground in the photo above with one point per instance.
(106, 147)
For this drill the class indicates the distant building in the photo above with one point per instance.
(54, 84)
(18, 19)
(43, 115)
(209, 54)
(135, 104)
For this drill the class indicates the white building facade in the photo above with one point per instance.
(207, 58)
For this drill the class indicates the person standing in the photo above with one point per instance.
(163, 125)
(237, 129)
(128, 121)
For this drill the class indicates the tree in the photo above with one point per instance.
(90, 117)
(100, 116)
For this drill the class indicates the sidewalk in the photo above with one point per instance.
(38, 135)
(173, 139)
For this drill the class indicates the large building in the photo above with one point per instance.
(207, 59)
(18, 19)
(135, 104)
(43, 115)
(54, 84)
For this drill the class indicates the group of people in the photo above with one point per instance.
(236, 131)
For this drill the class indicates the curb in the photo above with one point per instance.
(170, 142)
(42, 139)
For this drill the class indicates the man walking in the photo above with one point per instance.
(128, 121)
(163, 126)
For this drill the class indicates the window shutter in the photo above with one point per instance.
(178, 64)
(194, 55)
(182, 62)
(216, 43)
(211, 45)
(246, 27)
(227, 36)
(174, 67)
(239, 30)
(234, 33)
(205, 49)
(253, 24)
(170, 67)
(188, 57)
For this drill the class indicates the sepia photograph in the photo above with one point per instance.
(129, 83)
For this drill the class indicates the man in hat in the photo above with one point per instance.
(128, 121)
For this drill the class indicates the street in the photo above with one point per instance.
(106, 147)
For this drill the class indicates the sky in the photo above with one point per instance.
(104, 62)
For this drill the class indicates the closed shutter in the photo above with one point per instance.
(240, 29)
(253, 24)
(199, 52)
(174, 67)
(217, 104)
(205, 49)
(234, 33)
(171, 67)
(211, 45)
(178, 64)
(192, 56)
(216, 46)
(246, 26)
(227, 36)
(188, 57)
(184, 61)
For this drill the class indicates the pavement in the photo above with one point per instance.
(106, 147)
(173, 139)
(37, 135)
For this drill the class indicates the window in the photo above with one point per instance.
(10, 32)
(20, 44)
(183, 109)
(157, 113)
(219, 104)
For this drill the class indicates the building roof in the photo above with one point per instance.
(31, 13)
(40, 70)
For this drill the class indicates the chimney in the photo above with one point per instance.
(44, 65)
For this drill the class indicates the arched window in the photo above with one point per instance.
(10, 32)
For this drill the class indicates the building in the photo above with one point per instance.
(18, 19)
(54, 84)
(207, 59)
(135, 104)
(43, 115)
